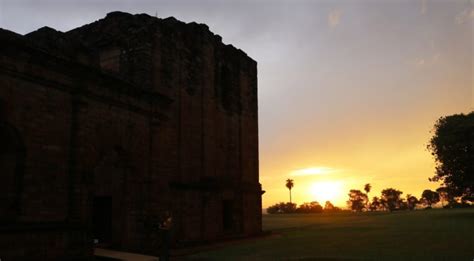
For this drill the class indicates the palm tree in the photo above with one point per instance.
(367, 189)
(289, 185)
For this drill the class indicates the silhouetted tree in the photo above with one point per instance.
(402, 204)
(273, 209)
(312, 207)
(452, 145)
(367, 188)
(446, 195)
(429, 197)
(375, 204)
(383, 204)
(289, 207)
(391, 198)
(282, 208)
(328, 206)
(357, 200)
(411, 202)
(443, 195)
(289, 185)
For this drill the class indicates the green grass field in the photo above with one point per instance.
(407, 235)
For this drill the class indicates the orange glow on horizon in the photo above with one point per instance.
(327, 191)
(312, 171)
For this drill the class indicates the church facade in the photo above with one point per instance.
(108, 127)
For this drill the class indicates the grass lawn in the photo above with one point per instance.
(436, 234)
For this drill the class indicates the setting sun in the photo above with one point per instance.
(326, 190)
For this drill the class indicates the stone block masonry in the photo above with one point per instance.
(107, 127)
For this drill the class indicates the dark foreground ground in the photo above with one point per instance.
(408, 235)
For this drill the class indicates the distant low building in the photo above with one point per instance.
(107, 127)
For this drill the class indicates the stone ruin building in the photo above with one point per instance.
(106, 127)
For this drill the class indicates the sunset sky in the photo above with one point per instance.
(348, 90)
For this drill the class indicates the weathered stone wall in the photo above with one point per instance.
(152, 114)
(36, 97)
(214, 87)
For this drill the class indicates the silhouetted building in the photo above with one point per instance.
(106, 127)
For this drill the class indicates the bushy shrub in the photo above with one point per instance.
(311, 207)
(282, 208)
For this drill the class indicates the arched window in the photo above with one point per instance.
(12, 159)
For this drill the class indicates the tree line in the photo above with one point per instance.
(391, 200)
(452, 147)
(305, 208)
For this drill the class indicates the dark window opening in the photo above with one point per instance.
(102, 220)
(227, 215)
(12, 160)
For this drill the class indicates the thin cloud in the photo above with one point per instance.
(311, 171)
(420, 62)
(423, 7)
(427, 61)
(334, 18)
(464, 16)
